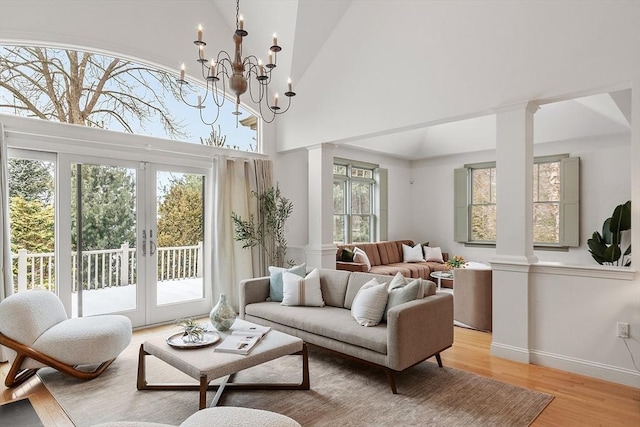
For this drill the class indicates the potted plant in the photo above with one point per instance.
(193, 332)
(605, 248)
(266, 231)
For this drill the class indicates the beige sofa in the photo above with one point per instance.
(387, 258)
(414, 331)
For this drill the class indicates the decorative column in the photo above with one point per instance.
(514, 244)
(321, 252)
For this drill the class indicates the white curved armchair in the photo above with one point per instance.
(35, 328)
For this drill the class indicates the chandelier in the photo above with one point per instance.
(239, 74)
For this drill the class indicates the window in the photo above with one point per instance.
(115, 94)
(555, 202)
(483, 204)
(356, 189)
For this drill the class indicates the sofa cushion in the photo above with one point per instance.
(275, 279)
(361, 256)
(401, 294)
(409, 270)
(433, 254)
(331, 322)
(347, 255)
(356, 281)
(334, 286)
(302, 291)
(412, 254)
(429, 287)
(369, 303)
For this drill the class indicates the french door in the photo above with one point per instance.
(138, 239)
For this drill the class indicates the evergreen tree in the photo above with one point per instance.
(31, 224)
(31, 180)
(180, 212)
(108, 207)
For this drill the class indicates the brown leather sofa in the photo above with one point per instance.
(387, 258)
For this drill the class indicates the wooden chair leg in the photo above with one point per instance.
(392, 381)
(16, 375)
(439, 359)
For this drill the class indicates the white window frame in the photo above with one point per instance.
(378, 197)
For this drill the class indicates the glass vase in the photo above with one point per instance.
(222, 315)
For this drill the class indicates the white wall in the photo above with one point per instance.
(573, 323)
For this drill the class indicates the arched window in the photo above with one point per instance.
(97, 90)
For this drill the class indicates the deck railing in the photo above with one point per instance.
(105, 268)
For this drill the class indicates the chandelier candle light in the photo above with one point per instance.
(241, 74)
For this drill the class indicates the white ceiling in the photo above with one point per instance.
(579, 118)
(411, 79)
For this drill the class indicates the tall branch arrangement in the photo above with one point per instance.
(267, 230)
(85, 89)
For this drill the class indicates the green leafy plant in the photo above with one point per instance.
(605, 248)
(267, 230)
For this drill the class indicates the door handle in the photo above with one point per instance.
(152, 244)
(144, 242)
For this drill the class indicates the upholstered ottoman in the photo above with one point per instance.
(221, 416)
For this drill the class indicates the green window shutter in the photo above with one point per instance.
(383, 219)
(570, 201)
(460, 205)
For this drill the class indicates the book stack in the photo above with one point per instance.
(242, 339)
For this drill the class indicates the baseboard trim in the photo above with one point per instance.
(601, 371)
(510, 352)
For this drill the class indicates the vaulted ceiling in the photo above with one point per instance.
(408, 78)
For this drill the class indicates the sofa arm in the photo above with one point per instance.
(253, 290)
(351, 266)
(419, 329)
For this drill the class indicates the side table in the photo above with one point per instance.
(441, 275)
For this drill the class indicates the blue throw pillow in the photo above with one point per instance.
(275, 282)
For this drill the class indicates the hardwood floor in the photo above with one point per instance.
(579, 400)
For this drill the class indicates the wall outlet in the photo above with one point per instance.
(623, 330)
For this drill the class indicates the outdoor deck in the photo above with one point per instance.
(121, 298)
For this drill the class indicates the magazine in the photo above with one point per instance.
(251, 330)
(237, 344)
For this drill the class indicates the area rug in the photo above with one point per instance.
(19, 414)
(342, 393)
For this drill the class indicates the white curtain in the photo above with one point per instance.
(234, 181)
(6, 274)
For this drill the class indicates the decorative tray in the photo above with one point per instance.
(210, 338)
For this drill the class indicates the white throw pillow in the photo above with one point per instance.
(399, 281)
(412, 254)
(360, 256)
(370, 302)
(302, 291)
(412, 291)
(433, 254)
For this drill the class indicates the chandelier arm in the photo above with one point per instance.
(183, 98)
(262, 92)
(214, 94)
(264, 119)
(214, 120)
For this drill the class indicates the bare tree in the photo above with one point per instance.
(85, 89)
